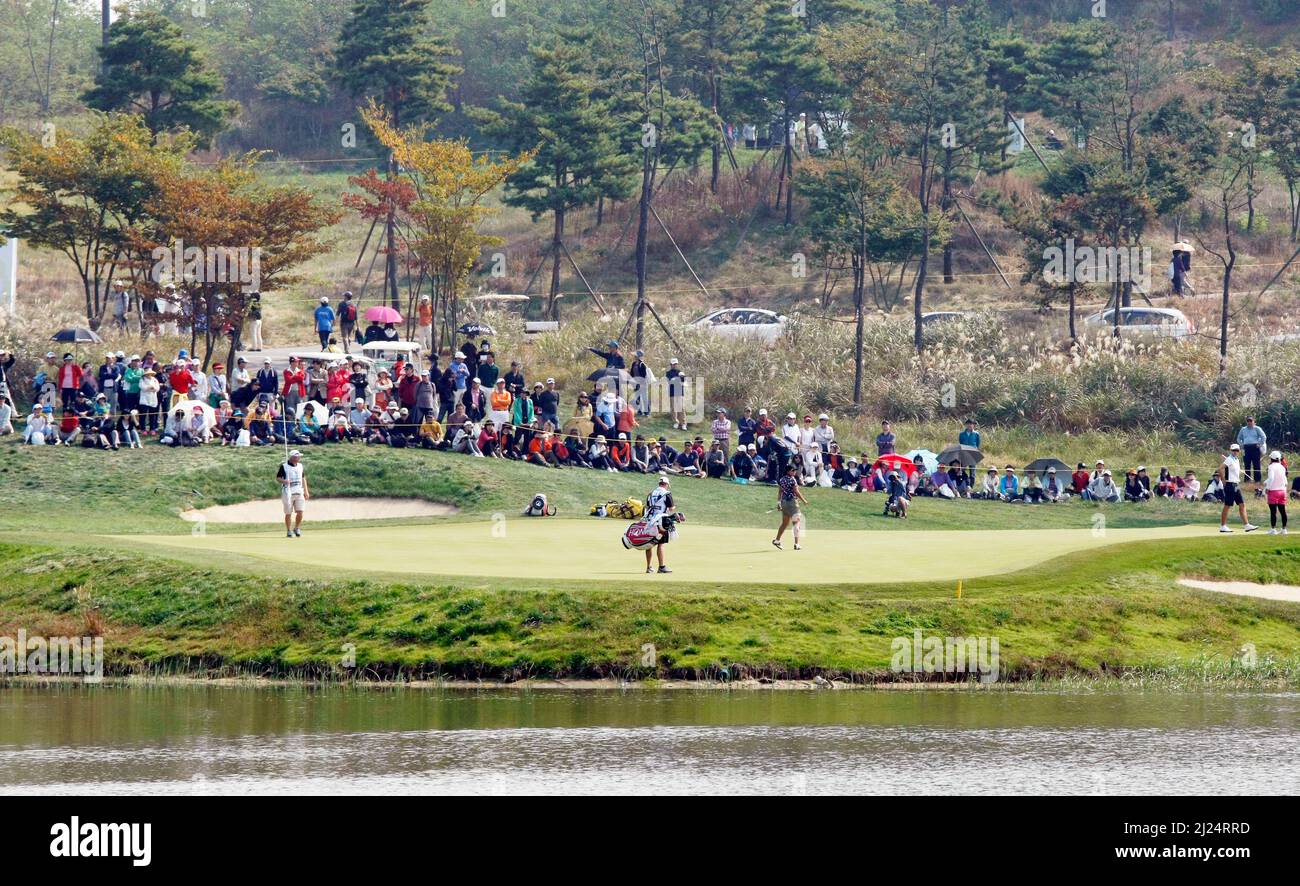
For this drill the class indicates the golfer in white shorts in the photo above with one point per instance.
(293, 493)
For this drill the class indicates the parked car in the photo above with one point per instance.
(744, 322)
(1157, 322)
(937, 317)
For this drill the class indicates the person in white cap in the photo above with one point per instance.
(293, 493)
(657, 504)
(1275, 489)
(1231, 471)
(324, 316)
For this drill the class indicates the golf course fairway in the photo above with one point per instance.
(591, 550)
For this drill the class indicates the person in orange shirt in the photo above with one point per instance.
(542, 449)
(499, 404)
(620, 452)
(424, 324)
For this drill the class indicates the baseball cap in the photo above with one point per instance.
(1275, 456)
(790, 415)
(673, 360)
(295, 452)
(762, 412)
(1233, 447)
(324, 299)
(550, 381)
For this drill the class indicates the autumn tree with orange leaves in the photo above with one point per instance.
(442, 223)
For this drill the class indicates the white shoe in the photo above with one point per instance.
(1283, 532)
(1249, 527)
(1224, 529)
(1272, 532)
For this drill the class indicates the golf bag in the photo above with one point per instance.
(644, 534)
(539, 508)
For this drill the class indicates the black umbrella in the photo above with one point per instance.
(966, 456)
(1042, 464)
(77, 335)
(476, 329)
(612, 374)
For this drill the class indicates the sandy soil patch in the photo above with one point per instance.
(269, 510)
(1290, 593)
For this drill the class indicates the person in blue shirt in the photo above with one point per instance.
(1009, 485)
(885, 440)
(324, 321)
(460, 370)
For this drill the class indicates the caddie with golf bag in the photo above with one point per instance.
(656, 529)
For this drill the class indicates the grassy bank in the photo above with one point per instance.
(1080, 615)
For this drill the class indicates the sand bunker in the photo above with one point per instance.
(269, 510)
(1290, 593)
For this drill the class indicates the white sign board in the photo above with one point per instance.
(8, 274)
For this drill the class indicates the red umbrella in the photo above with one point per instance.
(383, 314)
(895, 462)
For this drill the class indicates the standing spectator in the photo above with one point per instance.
(613, 357)
(971, 437)
(642, 379)
(515, 381)
(120, 300)
(1253, 442)
(722, 432)
(547, 404)
(347, 320)
(180, 381)
(488, 370)
(255, 320)
(1275, 489)
(267, 381)
(294, 389)
(109, 373)
(745, 428)
(7, 361)
(407, 387)
(425, 395)
(885, 440)
(424, 324)
(676, 393)
(324, 316)
(149, 389)
(446, 392)
(824, 434)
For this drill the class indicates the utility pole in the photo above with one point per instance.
(105, 13)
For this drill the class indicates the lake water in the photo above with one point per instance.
(167, 739)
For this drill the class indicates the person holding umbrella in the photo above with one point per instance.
(970, 437)
(294, 493)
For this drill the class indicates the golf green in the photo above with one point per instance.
(591, 549)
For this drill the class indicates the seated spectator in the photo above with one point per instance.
(541, 450)
(1214, 490)
(1102, 488)
(1009, 486)
(7, 416)
(1053, 489)
(959, 479)
(489, 442)
(431, 436)
(741, 466)
(989, 488)
(715, 461)
(1166, 485)
(1080, 479)
(1034, 492)
(1133, 489)
(620, 453)
(640, 462)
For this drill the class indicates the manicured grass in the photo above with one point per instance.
(1109, 608)
(77, 490)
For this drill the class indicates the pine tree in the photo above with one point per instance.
(577, 141)
(786, 75)
(150, 69)
(387, 53)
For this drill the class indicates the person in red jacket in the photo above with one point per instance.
(69, 381)
(180, 381)
(408, 388)
(620, 452)
(295, 386)
(1079, 479)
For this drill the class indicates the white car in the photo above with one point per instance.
(1156, 322)
(744, 323)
